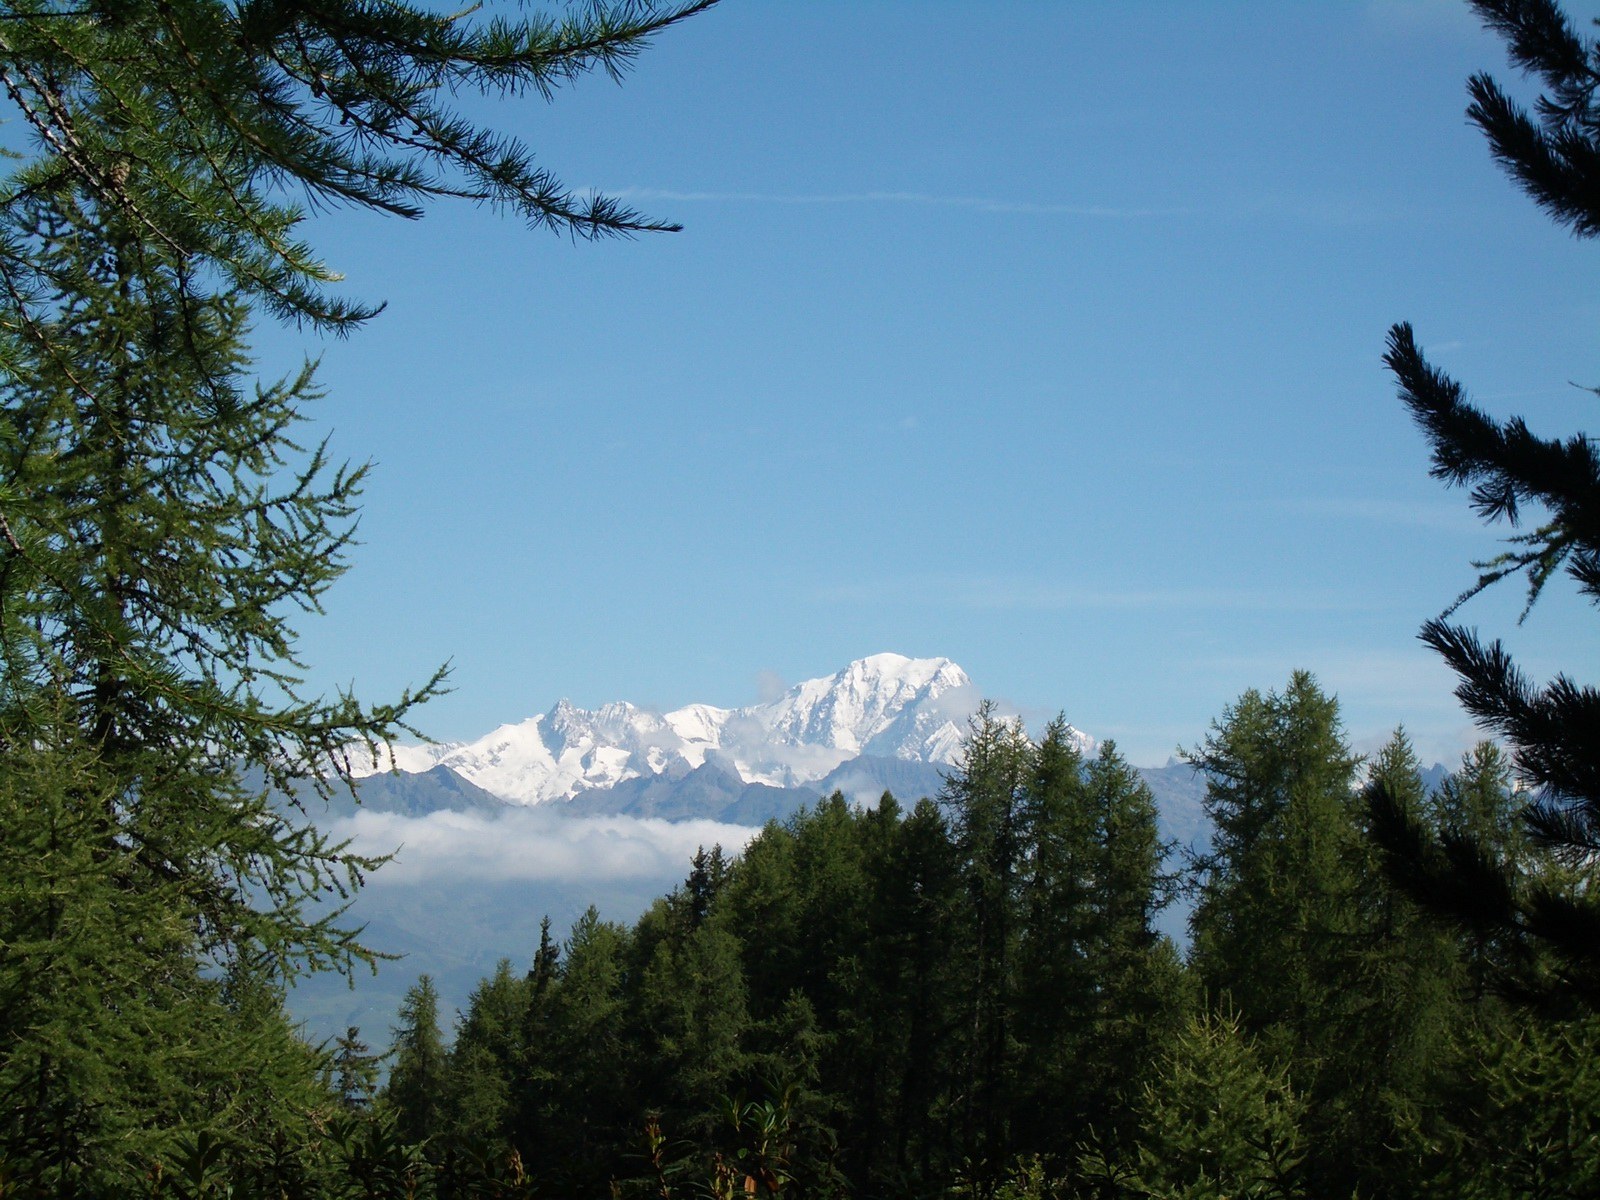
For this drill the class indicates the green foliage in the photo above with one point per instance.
(1277, 885)
(416, 1080)
(807, 1020)
(1336, 976)
(1219, 1122)
(1531, 1120)
(355, 1071)
(146, 690)
(162, 533)
(200, 124)
(161, 528)
(986, 800)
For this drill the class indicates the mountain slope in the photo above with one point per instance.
(886, 707)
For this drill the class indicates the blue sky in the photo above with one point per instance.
(1045, 337)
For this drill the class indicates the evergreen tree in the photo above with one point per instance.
(1391, 1041)
(1286, 934)
(1528, 1114)
(201, 124)
(355, 1070)
(152, 549)
(417, 1079)
(1478, 804)
(917, 957)
(692, 1017)
(164, 524)
(115, 1036)
(1274, 912)
(1220, 1121)
(1138, 993)
(160, 527)
(584, 1112)
(483, 1063)
(1555, 156)
(985, 797)
(1338, 979)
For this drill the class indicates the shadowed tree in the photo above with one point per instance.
(1552, 928)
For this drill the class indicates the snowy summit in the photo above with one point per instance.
(884, 706)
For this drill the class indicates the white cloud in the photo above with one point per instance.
(533, 844)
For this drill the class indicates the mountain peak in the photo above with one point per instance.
(886, 705)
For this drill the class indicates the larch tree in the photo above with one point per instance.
(1274, 890)
(208, 127)
(1513, 473)
(415, 1090)
(985, 799)
(164, 525)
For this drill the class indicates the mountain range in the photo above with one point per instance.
(634, 782)
(886, 722)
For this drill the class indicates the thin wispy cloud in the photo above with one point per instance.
(982, 204)
(1000, 594)
(1332, 209)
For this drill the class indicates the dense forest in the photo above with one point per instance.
(1386, 991)
(969, 998)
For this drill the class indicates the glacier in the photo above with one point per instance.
(884, 706)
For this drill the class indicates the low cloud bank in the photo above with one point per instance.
(532, 844)
(466, 889)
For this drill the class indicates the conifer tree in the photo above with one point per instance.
(355, 1070)
(206, 126)
(919, 956)
(417, 1079)
(483, 1063)
(585, 1107)
(1138, 991)
(1056, 965)
(985, 800)
(1274, 907)
(164, 525)
(1221, 1120)
(1281, 930)
(1554, 155)
(161, 525)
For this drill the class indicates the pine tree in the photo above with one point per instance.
(1555, 156)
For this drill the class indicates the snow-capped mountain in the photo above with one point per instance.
(883, 707)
